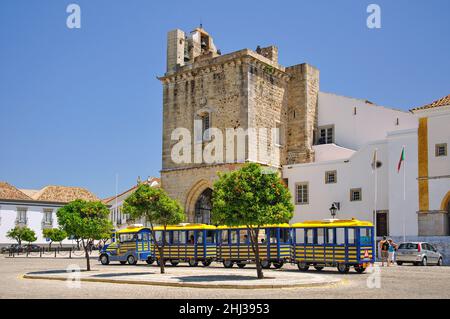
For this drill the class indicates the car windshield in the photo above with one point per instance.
(408, 246)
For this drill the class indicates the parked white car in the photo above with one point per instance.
(418, 253)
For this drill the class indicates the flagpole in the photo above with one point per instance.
(375, 195)
(404, 192)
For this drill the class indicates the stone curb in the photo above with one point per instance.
(189, 285)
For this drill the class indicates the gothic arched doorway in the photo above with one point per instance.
(203, 207)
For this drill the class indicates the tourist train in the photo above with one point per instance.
(327, 243)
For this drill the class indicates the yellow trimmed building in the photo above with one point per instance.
(434, 167)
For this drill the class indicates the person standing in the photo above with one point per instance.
(384, 244)
(391, 251)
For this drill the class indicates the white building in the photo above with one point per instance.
(115, 204)
(35, 209)
(349, 132)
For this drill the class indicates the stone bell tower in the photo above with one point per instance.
(247, 90)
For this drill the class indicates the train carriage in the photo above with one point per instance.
(128, 245)
(234, 246)
(336, 243)
(191, 243)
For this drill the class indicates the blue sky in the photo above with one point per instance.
(78, 106)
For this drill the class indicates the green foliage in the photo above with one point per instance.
(22, 234)
(85, 220)
(54, 234)
(251, 196)
(155, 205)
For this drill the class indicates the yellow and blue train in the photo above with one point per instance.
(318, 244)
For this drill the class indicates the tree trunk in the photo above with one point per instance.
(161, 251)
(254, 241)
(86, 254)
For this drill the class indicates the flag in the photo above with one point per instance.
(402, 158)
(374, 160)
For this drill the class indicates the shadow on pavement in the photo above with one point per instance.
(122, 274)
(219, 278)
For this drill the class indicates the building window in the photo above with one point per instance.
(326, 135)
(279, 134)
(301, 193)
(21, 216)
(330, 177)
(441, 149)
(206, 124)
(48, 217)
(355, 194)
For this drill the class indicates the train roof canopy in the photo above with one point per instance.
(333, 223)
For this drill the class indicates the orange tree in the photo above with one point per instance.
(251, 196)
(158, 209)
(87, 221)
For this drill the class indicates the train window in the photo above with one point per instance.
(340, 236)
(124, 238)
(320, 236)
(309, 236)
(158, 235)
(365, 237)
(273, 235)
(243, 237)
(351, 235)
(210, 236)
(234, 237)
(330, 236)
(190, 237)
(200, 237)
(176, 237)
(262, 236)
(284, 235)
(299, 235)
(224, 236)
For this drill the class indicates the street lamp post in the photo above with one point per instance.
(333, 211)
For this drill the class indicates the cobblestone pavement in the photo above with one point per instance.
(396, 282)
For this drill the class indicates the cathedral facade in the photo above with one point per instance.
(246, 90)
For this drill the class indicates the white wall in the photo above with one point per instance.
(438, 132)
(35, 215)
(399, 208)
(370, 123)
(356, 172)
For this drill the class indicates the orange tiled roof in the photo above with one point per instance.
(8, 191)
(51, 193)
(441, 102)
(63, 194)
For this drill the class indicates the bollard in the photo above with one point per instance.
(55, 253)
(70, 253)
(28, 251)
(40, 252)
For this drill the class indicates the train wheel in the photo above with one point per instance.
(343, 268)
(206, 262)
(265, 264)
(174, 263)
(104, 259)
(131, 260)
(228, 263)
(123, 262)
(241, 265)
(359, 269)
(318, 268)
(150, 260)
(278, 265)
(303, 266)
(193, 263)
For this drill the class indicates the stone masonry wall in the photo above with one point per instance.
(303, 90)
